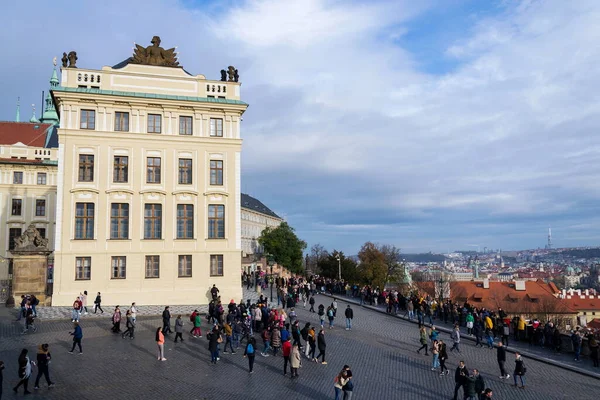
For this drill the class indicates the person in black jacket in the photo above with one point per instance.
(312, 303)
(349, 315)
(43, 361)
(460, 378)
(479, 383)
(322, 346)
(519, 370)
(97, 304)
(166, 317)
(501, 355)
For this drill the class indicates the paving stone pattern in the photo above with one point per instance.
(380, 350)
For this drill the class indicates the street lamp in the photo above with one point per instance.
(270, 262)
(339, 260)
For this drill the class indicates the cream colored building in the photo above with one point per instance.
(149, 185)
(255, 218)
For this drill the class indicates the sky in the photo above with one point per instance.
(429, 125)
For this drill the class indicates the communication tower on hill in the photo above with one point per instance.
(549, 245)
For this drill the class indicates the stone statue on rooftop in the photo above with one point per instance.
(231, 72)
(64, 60)
(154, 55)
(223, 75)
(72, 59)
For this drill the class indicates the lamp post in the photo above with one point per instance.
(339, 260)
(270, 263)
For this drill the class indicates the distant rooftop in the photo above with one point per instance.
(252, 204)
(35, 134)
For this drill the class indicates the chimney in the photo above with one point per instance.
(486, 283)
(520, 285)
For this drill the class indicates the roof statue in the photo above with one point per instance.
(233, 74)
(31, 240)
(154, 55)
(223, 75)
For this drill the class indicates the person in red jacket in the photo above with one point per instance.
(286, 348)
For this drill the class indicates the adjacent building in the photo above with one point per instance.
(255, 218)
(148, 200)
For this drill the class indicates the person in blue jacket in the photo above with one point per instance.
(77, 336)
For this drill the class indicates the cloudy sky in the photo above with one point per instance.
(430, 125)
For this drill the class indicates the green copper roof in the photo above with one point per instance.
(33, 118)
(54, 80)
(148, 95)
(18, 116)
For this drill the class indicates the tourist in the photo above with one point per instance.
(275, 340)
(197, 331)
(312, 303)
(505, 333)
(501, 356)
(433, 334)
(470, 321)
(334, 306)
(23, 304)
(228, 329)
(134, 310)
(130, 325)
(214, 338)
(422, 340)
(340, 380)
(322, 346)
(304, 334)
(477, 334)
(330, 316)
(178, 328)
(490, 339)
(249, 352)
(443, 357)
(435, 350)
(29, 319)
(295, 361)
(286, 350)
(479, 384)
(166, 317)
(83, 297)
(455, 339)
(160, 342)
(116, 319)
(214, 293)
(349, 386)
(593, 345)
(520, 370)
(312, 344)
(460, 378)
(77, 336)
(24, 372)
(321, 314)
(43, 363)
(349, 316)
(97, 304)
(75, 313)
(266, 337)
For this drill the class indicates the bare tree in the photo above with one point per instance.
(318, 254)
(393, 262)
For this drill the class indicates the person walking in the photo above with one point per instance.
(116, 320)
(520, 370)
(479, 385)
(443, 357)
(276, 340)
(505, 333)
(312, 344)
(322, 346)
(178, 328)
(130, 325)
(166, 317)
(76, 311)
(24, 372)
(349, 315)
(312, 303)
(422, 340)
(43, 363)
(213, 342)
(77, 336)
(286, 349)
(228, 330)
(470, 321)
(455, 339)
(477, 334)
(435, 350)
(134, 311)
(197, 332)
(295, 361)
(340, 380)
(501, 356)
(330, 316)
(97, 304)
(249, 352)
(460, 379)
(29, 319)
(160, 342)
(83, 297)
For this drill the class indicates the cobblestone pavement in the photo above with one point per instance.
(380, 350)
(563, 358)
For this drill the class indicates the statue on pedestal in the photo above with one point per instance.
(31, 240)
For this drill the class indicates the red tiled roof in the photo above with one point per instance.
(536, 298)
(595, 323)
(578, 303)
(30, 134)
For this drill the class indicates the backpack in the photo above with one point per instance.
(250, 349)
(192, 317)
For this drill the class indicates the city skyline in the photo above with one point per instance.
(429, 126)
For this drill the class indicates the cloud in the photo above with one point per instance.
(349, 136)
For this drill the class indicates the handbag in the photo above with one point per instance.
(220, 339)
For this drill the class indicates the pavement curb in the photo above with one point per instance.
(525, 353)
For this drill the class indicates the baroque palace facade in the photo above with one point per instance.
(147, 181)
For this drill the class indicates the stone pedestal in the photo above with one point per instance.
(29, 275)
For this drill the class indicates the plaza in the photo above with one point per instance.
(380, 350)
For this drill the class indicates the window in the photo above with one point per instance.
(216, 265)
(185, 171)
(185, 266)
(216, 221)
(83, 268)
(216, 172)
(120, 169)
(40, 207)
(118, 266)
(13, 233)
(42, 232)
(152, 266)
(84, 220)
(153, 170)
(17, 206)
(153, 221)
(119, 221)
(18, 178)
(122, 121)
(86, 168)
(185, 221)
(154, 123)
(41, 178)
(88, 119)
(216, 127)
(185, 125)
